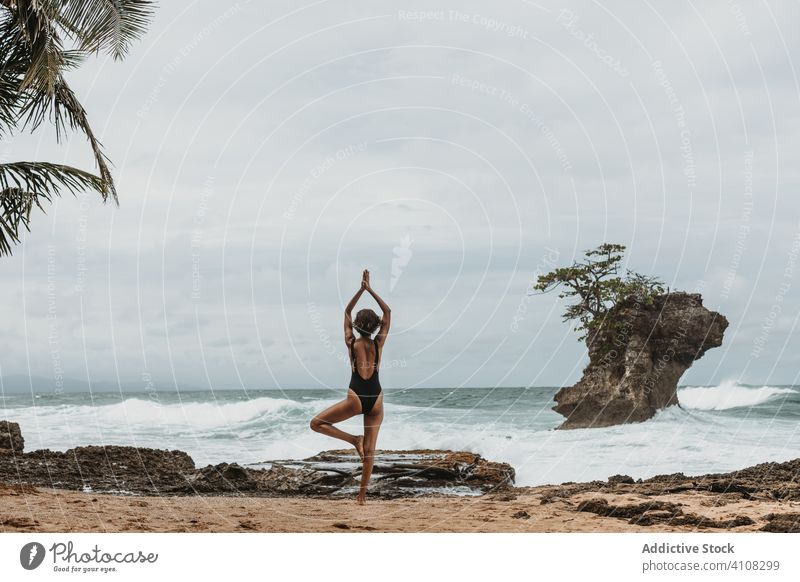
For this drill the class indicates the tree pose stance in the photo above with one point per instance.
(364, 396)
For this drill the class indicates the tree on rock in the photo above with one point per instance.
(596, 290)
(641, 338)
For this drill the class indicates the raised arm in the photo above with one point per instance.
(386, 320)
(348, 318)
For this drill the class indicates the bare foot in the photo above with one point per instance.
(361, 499)
(360, 446)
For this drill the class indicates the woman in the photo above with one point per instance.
(364, 395)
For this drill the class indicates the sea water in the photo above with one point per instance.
(716, 428)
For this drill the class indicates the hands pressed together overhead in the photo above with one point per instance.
(384, 321)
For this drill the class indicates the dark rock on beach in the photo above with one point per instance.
(11, 440)
(221, 478)
(765, 481)
(146, 471)
(98, 468)
(636, 359)
(337, 473)
(782, 523)
(395, 474)
(620, 479)
(659, 500)
(655, 512)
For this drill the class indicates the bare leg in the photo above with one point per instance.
(372, 423)
(323, 422)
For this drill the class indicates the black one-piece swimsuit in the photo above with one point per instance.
(367, 390)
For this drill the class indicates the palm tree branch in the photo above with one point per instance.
(8, 106)
(67, 111)
(29, 28)
(105, 25)
(43, 92)
(25, 184)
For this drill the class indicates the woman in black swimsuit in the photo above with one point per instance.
(364, 395)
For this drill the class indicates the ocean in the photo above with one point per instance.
(716, 428)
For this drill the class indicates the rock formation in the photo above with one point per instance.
(337, 473)
(763, 483)
(145, 471)
(11, 437)
(636, 358)
(109, 468)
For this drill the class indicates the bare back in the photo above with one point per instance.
(366, 360)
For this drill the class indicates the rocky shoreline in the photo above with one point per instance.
(762, 483)
(335, 473)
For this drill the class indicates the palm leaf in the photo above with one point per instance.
(65, 111)
(8, 78)
(25, 184)
(26, 40)
(33, 89)
(105, 25)
(8, 103)
(29, 29)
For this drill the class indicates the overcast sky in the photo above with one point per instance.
(266, 154)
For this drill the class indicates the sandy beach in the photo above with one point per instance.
(38, 509)
(129, 489)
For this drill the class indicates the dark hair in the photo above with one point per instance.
(366, 322)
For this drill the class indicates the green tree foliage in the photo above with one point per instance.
(596, 289)
(39, 41)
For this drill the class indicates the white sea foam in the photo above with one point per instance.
(139, 411)
(201, 414)
(728, 395)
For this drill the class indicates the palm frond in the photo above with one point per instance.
(65, 111)
(106, 25)
(33, 89)
(47, 178)
(8, 103)
(30, 29)
(44, 93)
(15, 212)
(25, 184)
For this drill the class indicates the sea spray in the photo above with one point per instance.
(728, 395)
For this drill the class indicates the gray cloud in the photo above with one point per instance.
(266, 154)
